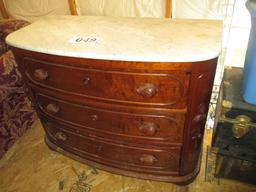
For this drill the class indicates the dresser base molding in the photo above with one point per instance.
(179, 180)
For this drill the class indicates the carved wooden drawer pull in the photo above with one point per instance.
(148, 159)
(40, 74)
(94, 117)
(199, 118)
(149, 129)
(52, 108)
(61, 136)
(147, 90)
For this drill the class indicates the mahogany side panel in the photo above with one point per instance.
(201, 84)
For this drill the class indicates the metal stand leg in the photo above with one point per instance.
(219, 165)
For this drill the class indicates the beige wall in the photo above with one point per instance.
(211, 9)
(31, 10)
(130, 8)
(236, 24)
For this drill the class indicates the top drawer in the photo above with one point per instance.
(149, 89)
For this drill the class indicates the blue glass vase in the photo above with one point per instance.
(249, 76)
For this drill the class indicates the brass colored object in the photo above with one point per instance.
(241, 126)
(226, 106)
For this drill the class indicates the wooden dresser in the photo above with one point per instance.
(125, 95)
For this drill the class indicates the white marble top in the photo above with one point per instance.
(128, 39)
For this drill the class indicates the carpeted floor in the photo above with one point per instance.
(30, 166)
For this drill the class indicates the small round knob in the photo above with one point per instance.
(40, 74)
(148, 159)
(87, 80)
(94, 117)
(199, 119)
(61, 136)
(197, 136)
(149, 129)
(52, 108)
(147, 90)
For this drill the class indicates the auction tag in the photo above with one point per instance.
(84, 40)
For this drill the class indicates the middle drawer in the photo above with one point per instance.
(162, 129)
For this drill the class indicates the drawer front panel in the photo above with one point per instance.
(156, 128)
(123, 87)
(106, 152)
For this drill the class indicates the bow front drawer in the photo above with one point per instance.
(106, 151)
(148, 89)
(161, 129)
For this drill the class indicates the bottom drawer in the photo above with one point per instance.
(101, 150)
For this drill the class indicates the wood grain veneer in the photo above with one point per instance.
(141, 119)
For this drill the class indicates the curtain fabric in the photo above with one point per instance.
(31, 10)
(200, 9)
(126, 8)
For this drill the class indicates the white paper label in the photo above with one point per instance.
(84, 40)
